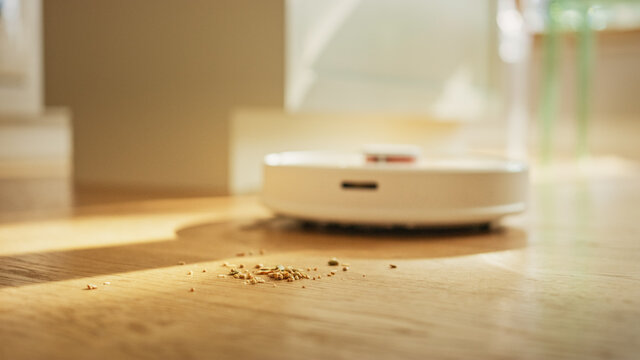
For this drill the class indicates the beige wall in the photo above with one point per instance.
(151, 84)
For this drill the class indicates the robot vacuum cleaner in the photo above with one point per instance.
(393, 187)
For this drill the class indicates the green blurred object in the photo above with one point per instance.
(581, 18)
(585, 70)
(563, 16)
(550, 81)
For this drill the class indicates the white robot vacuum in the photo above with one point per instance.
(393, 186)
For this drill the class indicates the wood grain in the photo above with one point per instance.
(561, 281)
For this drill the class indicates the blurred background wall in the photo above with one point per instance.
(186, 96)
(151, 84)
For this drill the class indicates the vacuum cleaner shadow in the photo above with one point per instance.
(285, 235)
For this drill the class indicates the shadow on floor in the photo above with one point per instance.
(213, 241)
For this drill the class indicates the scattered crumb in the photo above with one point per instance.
(304, 287)
(241, 266)
(345, 268)
(334, 262)
(91, 287)
(106, 283)
(258, 266)
(225, 264)
(204, 270)
(192, 290)
(181, 262)
(393, 266)
(240, 254)
(190, 272)
(364, 275)
(222, 275)
(315, 269)
(333, 272)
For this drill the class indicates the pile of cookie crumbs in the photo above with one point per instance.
(278, 273)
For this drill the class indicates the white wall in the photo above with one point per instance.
(21, 75)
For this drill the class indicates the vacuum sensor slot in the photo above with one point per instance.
(359, 185)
